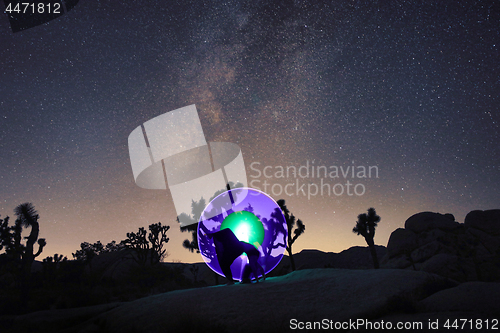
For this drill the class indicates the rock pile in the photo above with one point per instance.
(436, 243)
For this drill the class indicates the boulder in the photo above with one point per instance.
(450, 216)
(491, 243)
(424, 221)
(470, 296)
(481, 252)
(432, 236)
(401, 241)
(488, 270)
(436, 243)
(430, 249)
(487, 221)
(451, 266)
(400, 261)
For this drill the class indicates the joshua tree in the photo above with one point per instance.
(88, 251)
(10, 240)
(5, 235)
(365, 226)
(290, 222)
(197, 208)
(51, 265)
(148, 246)
(277, 232)
(158, 237)
(27, 216)
(57, 258)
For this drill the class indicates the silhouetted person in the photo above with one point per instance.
(253, 265)
(228, 248)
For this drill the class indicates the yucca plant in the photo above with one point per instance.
(27, 217)
(365, 226)
(290, 222)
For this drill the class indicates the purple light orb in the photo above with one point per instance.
(254, 217)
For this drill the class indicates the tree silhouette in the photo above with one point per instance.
(158, 237)
(88, 251)
(57, 258)
(10, 260)
(290, 222)
(27, 216)
(148, 245)
(113, 246)
(276, 230)
(51, 266)
(10, 243)
(6, 236)
(197, 208)
(365, 226)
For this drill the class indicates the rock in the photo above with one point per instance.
(488, 270)
(307, 295)
(450, 216)
(451, 266)
(491, 243)
(475, 296)
(424, 221)
(55, 320)
(430, 249)
(481, 252)
(401, 241)
(487, 221)
(401, 261)
(438, 244)
(432, 236)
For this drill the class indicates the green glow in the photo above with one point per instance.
(246, 227)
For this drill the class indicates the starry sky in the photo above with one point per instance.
(411, 87)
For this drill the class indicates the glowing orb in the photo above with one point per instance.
(254, 217)
(246, 227)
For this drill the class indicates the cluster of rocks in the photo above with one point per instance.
(436, 243)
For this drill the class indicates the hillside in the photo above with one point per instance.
(337, 295)
(356, 257)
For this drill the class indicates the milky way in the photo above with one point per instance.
(409, 87)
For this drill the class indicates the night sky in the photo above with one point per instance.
(411, 87)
